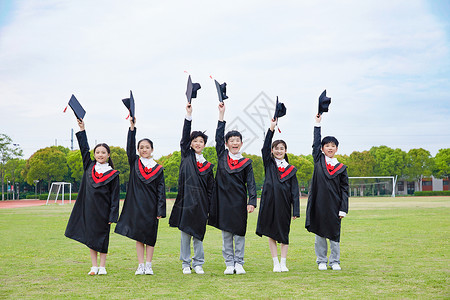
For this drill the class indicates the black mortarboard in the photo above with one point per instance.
(280, 110)
(129, 103)
(324, 102)
(221, 90)
(192, 88)
(76, 107)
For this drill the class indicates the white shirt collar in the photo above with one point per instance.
(281, 162)
(148, 162)
(200, 158)
(235, 156)
(332, 161)
(102, 168)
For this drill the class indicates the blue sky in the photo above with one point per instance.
(386, 66)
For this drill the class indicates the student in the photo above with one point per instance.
(229, 205)
(145, 202)
(97, 204)
(279, 199)
(327, 199)
(195, 184)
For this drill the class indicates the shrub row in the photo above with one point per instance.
(432, 193)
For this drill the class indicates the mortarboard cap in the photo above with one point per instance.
(324, 102)
(77, 108)
(191, 90)
(129, 103)
(221, 90)
(280, 110)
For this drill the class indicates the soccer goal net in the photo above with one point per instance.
(58, 189)
(372, 186)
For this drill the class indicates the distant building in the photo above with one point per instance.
(404, 187)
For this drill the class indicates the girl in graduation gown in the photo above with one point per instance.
(195, 185)
(279, 198)
(145, 202)
(97, 204)
(229, 207)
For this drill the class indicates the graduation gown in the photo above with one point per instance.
(279, 198)
(97, 203)
(327, 196)
(233, 179)
(145, 199)
(195, 185)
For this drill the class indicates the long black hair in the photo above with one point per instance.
(110, 162)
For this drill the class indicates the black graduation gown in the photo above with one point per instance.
(195, 185)
(145, 199)
(97, 203)
(327, 196)
(279, 198)
(233, 178)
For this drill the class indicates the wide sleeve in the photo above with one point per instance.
(343, 185)
(317, 149)
(295, 194)
(210, 188)
(84, 148)
(251, 186)
(115, 199)
(185, 143)
(220, 140)
(161, 210)
(131, 146)
(266, 149)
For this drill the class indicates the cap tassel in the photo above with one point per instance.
(279, 129)
(65, 109)
(127, 117)
(211, 77)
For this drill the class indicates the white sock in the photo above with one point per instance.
(148, 264)
(283, 260)
(275, 261)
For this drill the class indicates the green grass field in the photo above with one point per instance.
(390, 248)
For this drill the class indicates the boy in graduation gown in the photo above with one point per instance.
(195, 185)
(327, 199)
(229, 205)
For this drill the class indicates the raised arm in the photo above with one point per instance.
(266, 150)
(83, 144)
(185, 143)
(131, 142)
(317, 139)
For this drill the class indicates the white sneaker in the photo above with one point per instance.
(187, 270)
(336, 267)
(322, 266)
(148, 270)
(199, 270)
(102, 271)
(277, 268)
(140, 270)
(239, 269)
(284, 268)
(93, 271)
(229, 270)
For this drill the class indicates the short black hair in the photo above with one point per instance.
(196, 134)
(330, 139)
(148, 140)
(231, 134)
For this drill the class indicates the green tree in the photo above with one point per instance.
(120, 161)
(75, 164)
(388, 161)
(420, 164)
(258, 169)
(8, 151)
(304, 169)
(49, 164)
(442, 163)
(171, 164)
(209, 153)
(360, 164)
(13, 172)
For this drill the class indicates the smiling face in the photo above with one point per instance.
(279, 151)
(329, 149)
(234, 144)
(101, 155)
(145, 149)
(198, 144)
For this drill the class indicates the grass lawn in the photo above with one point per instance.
(390, 248)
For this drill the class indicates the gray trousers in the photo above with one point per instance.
(233, 256)
(321, 247)
(185, 251)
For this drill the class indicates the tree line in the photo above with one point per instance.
(57, 163)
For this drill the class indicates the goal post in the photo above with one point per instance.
(58, 188)
(371, 185)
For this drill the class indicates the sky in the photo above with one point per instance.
(385, 65)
